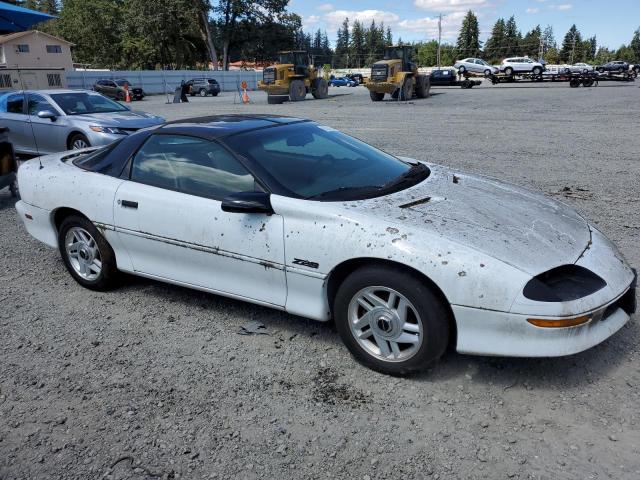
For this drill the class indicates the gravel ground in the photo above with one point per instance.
(154, 381)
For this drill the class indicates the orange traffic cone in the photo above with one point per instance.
(127, 96)
(245, 95)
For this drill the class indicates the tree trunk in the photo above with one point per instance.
(205, 32)
(225, 55)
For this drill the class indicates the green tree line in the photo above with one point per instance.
(506, 40)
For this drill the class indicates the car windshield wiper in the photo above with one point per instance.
(347, 193)
(415, 174)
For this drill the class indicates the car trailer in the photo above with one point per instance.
(450, 78)
(575, 79)
(8, 164)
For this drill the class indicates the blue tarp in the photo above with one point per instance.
(18, 19)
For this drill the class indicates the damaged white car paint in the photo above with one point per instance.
(518, 274)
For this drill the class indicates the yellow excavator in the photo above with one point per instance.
(292, 78)
(397, 75)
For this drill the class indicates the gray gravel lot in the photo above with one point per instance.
(153, 381)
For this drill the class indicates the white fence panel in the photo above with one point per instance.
(165, 81)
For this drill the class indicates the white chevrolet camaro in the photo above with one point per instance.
(407, 257)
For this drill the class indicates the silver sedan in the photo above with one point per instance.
(48, 121)
(475, 65)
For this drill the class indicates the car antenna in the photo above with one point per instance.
(25, 95)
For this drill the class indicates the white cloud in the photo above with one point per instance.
(325, 7)
(532, 10)
(310, 20)
(450, 5)
(562, 7)
(428, 26)
(334, 19)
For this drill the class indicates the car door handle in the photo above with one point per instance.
(129, 204)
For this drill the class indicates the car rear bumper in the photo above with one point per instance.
(485, 332)
(38, 223)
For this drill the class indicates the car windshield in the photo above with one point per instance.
(482, 62)
(122, 81)
(313, 161)
(79, 103)
(212, 81)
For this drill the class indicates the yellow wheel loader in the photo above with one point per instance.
(397, 75)
(292, 78)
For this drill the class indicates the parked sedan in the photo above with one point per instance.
(342, 82)
(48, 121)
(475, 65)
(408, 257)
(618, 66)
(116, 89)
(510, 66)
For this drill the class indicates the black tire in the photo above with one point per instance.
(15, 191)
(434, 315)
(376, 96)
(508, 71)
(297, 91)
(487, 73)
(320, 89)
(109, 272)
(461, 70)
(601, 70)
(422, 86)
(575, 82)
(406, 91)
(75, 141)
(588, 82)
(277, 99)
(203, 92)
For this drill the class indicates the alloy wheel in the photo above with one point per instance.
(385, 324)
(79, 143)
(83, 253)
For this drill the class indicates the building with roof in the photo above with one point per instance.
(33, 60)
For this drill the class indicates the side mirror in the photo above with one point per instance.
(51, 115)
(248, 202)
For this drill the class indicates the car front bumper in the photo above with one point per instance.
(485, 332)
(98, 139)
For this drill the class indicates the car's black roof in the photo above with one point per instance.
(218, 126)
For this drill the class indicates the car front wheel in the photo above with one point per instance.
(390, 320)
(78, 141)
(86, 254)
(203, 92)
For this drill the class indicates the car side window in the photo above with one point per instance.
(37, 104)
(15, 103)
(190, 165)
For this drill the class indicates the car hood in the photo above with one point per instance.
(512, 224)
(126, 119)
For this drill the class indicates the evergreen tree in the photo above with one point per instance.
(343, 44)
(388, 40)
(357, 45)
(493, 49)
(512, 38)
(635, 46)
(468, 38)
(548, 38)
(571, 51)
(589, 48)
(531, 42)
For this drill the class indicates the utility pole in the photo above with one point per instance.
(439, 37)
(573, 49)
(541, 50)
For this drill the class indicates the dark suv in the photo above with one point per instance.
(203, 87)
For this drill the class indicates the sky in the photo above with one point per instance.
(612, 21)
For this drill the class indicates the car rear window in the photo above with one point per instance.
(97, 160)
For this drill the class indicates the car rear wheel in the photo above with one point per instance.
(601, 70)
(461, 70)
(508, 71)
(86, 253)
(78, 141)
(390, 320)
(537, 71)
(487, 73)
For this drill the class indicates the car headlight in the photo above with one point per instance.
(563, 284)
(112, 130)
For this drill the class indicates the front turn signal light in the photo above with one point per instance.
(559, 323)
